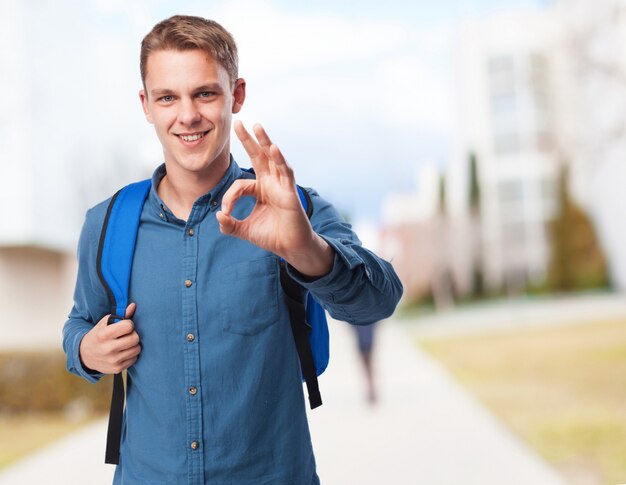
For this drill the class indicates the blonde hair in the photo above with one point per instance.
(185, 32)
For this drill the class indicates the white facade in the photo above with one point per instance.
(536, 90)
(71, 133)
(506, 118)
(36, 287)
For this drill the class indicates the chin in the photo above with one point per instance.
(198, 165)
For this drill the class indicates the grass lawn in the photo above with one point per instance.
(21, 435)
(563, 389)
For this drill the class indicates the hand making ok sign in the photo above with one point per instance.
(278, 222)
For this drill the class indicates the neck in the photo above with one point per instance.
(180, 189)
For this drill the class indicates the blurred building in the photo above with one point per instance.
(416, 238)
(36, 286)
(508, 123)
(65, 130)
(537, 90)
(36, 246)
(505, 87)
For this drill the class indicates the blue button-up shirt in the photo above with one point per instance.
(216, 395)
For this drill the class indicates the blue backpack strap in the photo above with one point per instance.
(117, 244)
(114, 264)
(315, 314)
(305, 200)
(319, 337)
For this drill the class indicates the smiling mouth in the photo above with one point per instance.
(193, 137)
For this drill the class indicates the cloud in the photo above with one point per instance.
(276, 41)
(338, 71)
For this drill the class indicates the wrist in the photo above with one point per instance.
(81, 357)
(315, 260)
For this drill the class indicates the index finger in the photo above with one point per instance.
(253, 149)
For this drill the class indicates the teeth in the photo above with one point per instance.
(192, 137)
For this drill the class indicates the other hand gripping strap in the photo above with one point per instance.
(115, 259)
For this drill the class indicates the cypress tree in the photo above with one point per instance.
(478, 280)
(577, 261)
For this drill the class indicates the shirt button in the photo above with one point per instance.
(193, 390)
(191, 232)
(195, 445)
(190, 337)
(161, 215)
(188, 283)
(214, 203)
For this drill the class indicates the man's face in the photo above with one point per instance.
(189, 99)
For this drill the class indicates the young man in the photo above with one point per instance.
(214, 389)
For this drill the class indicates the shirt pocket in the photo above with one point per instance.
(249, 301)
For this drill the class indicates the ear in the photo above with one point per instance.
(239, 94)
(143, 97)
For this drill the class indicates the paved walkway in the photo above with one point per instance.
(424, 430)
(523, 312)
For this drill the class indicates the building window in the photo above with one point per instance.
(549, 197)
(511, 191)
(514, 234)
(538, 84)
(504, 102)
(519, 102)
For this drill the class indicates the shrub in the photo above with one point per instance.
(33, 382)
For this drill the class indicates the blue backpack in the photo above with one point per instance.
(115, 258)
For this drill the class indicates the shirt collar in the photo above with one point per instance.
(210, 201)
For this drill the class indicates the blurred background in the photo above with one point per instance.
(479, 145)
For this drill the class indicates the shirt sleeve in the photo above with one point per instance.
(90, 298)
(361, 287)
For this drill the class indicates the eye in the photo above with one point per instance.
(166, 99)
(206, 94)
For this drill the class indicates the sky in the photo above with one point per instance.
(357, 95)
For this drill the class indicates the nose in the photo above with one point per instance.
(188, 113)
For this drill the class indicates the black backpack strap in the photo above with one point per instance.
(114, 433)
(300, 329)
(116, 411)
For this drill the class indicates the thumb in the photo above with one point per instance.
(130, 310)
(228, 224)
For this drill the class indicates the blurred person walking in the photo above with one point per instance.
(365, 345)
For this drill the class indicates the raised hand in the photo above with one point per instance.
(278, 222)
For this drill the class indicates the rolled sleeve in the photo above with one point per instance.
(361, 288)
(72, 350)
(345, 260)
(90, 299)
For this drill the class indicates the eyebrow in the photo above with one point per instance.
(204, 87)
(209, 87)
(161, 92)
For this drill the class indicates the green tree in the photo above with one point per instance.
(478, 280)
(474, 189)
(442, 196)
(577, 261)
